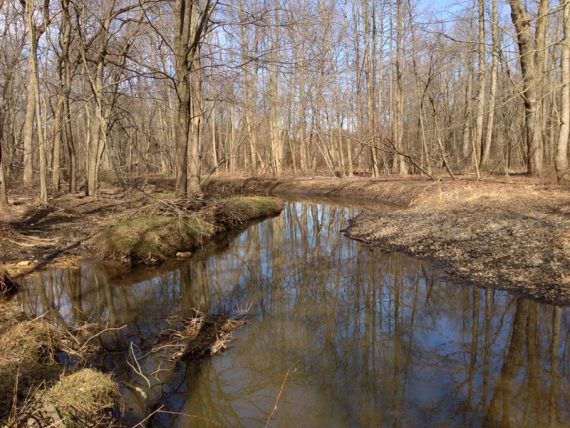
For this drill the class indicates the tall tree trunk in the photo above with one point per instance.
(190, 24)
(480, 81)
(370, 74)
(562, 147)
(3, 193)
(533, 133)
(402, 167)
(466, 143)
(28, 131)
(70, 147)
(57, 133)
(35, 89)
(493, 89)
(276, 141)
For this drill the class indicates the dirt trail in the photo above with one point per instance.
(511, 235)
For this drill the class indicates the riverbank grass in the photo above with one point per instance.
(84, 398)
(29, 351)
(158, 234)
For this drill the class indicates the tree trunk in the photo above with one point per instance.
(28, 131)
(190, 24)
(3, 193)
(57, 133)
(35, 89)
(480, 105)
(493, 90)
(533, 134)
(562, 147)
(402, 167)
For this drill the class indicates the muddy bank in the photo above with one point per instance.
(510, 235)
(132, 227)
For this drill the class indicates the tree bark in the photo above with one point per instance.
(493, 89)
(562, 147)
(3, 193)
(533, 134)
(190, 24)
(28, 131)
(399, 137)
(480, 104)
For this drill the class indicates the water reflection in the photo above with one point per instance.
(353, 337)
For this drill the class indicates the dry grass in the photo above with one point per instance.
(409, 192)
(29, 357)
(82, 399)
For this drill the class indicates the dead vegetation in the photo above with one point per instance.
(29, 354)
(199, 336)
(33, 352)
(86, 398)
(37, 389)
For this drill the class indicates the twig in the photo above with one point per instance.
(138, 369)
(278, 396)
(101, 332)
(141, 423)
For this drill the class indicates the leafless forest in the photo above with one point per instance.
(190, 89)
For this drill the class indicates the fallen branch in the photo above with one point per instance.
(393, 150)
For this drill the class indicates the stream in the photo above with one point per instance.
(337, 334)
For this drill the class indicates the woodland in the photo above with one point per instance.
(123, 89)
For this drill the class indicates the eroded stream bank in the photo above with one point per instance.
(352, 336)
(511, 235)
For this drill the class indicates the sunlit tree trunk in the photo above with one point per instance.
(34, 87)
(533, 133)
(3, 193)
(370, 74)
(493, 89)
(402, 166)
(191, 21)
(480, 104)
(562, 147)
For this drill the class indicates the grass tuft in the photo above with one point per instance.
(84, 398)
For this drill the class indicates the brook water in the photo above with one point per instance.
(337, 335)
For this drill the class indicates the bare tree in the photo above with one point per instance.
(562, 148)
(530, 60)
(191, 21)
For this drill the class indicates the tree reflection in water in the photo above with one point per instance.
(372, 339)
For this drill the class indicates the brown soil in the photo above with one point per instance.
(73, 228)
(35, 236)
(512, 234)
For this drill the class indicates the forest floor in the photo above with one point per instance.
(511, 233)
(134, 227)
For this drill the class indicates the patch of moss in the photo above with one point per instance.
(84, 398)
